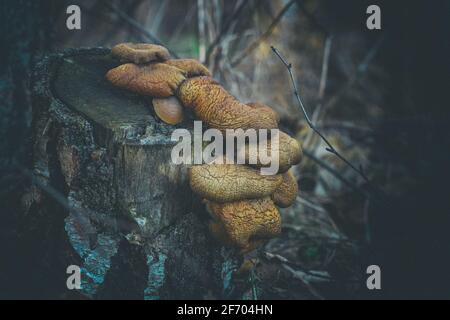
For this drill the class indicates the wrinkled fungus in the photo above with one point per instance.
(241, 201)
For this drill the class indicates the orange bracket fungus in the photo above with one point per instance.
(140, 52)
(229, 182)
(242, 202)
(286, 193)
(245, 224)
(168, 110)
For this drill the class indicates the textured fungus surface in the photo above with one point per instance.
(289, 152)
(286, 193)
(261, 107)
(140, 53)
(157, 80)
(191, 67)
(245, 224)
(229, 182)
(219, 109)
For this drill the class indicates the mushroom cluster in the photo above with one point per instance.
(242, 202)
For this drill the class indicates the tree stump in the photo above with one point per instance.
(106, 195)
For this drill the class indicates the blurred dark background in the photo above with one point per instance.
(379, 95)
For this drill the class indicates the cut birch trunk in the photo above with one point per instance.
(106, 195)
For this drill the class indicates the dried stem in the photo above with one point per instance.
(329, 147)
(312, 274)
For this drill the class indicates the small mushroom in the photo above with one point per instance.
(168, 110)
(245, 224)
(219, 109)
(286, 193)
(157, 80)
(140, 53)
(229, 182)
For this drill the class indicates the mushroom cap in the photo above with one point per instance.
(157, 80)
(229, 182)
(191, 67)
(245, 224)
(219, 109)
(289, 152)
(168, 110)
(286, 193)
(140, 53)
(261, 107)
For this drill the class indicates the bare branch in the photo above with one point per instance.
(335, 173)
(309, 275)
(329, 147)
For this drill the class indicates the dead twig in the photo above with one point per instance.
(304, 278)
(300, 272)
(318, 276)
(322, 85)
(334, 172)
(263, 36)
(329, 147)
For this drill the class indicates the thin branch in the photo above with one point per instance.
(321, 108)
(329, 147)
(335, 173)
(317, 276)
(263, 36)
(322, 86)
(305, 279)
(137, 26)
(224, 30)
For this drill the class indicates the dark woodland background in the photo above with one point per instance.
(380, 96)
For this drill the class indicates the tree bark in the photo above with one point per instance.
(106, 195)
